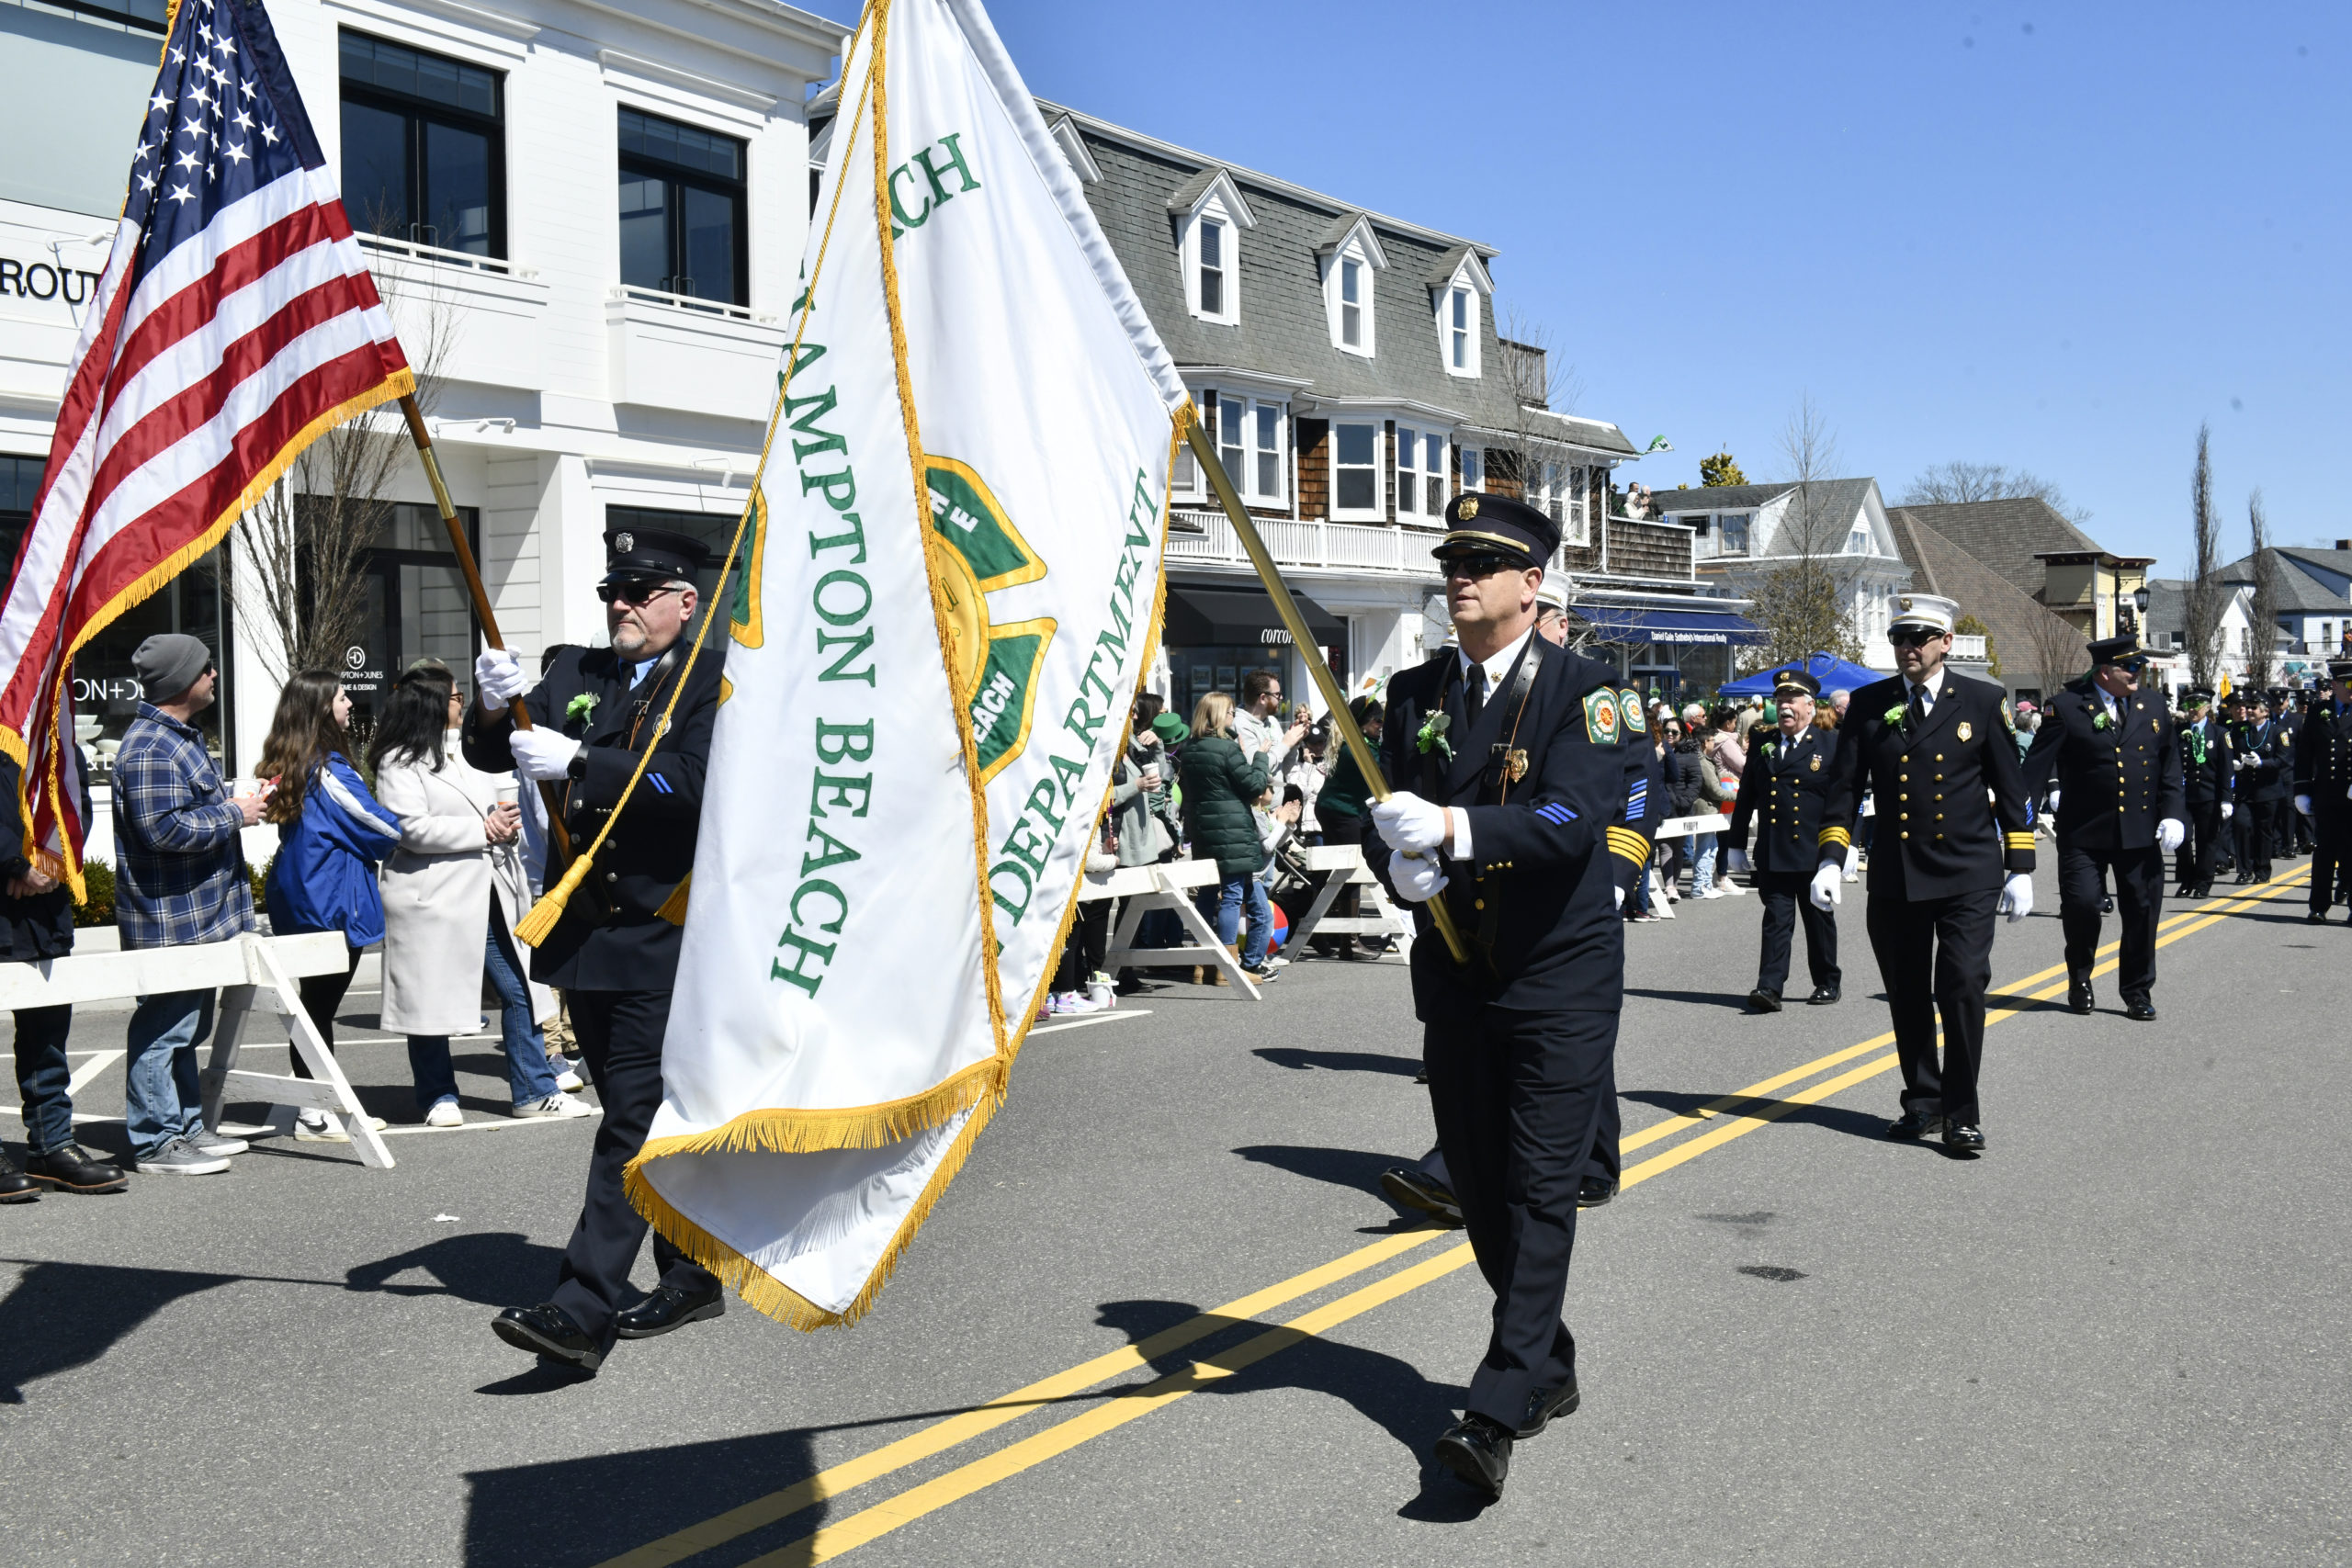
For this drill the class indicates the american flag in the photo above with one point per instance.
(235, 323)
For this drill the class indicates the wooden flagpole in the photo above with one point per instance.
(548, 795)
(1317, 668)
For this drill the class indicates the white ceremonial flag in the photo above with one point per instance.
(948, 598)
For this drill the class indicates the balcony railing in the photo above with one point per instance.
(1968, 646)
(434, 256)
(1379, 549)
(629, 291)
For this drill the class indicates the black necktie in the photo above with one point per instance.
(1474, 693)
(1919, 707)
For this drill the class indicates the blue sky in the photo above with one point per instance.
(2055, 237)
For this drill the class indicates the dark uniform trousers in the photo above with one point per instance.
(1522, 1100)
(2331, 858)
(1935, 957)
(620, 1037)
(2256, 822)
(2193, 868)
(2139, 904)
(1786, 899)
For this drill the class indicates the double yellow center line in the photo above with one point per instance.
(1753, 1107)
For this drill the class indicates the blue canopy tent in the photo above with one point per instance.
(1833, 672)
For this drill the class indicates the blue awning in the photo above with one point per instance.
(1719, 628)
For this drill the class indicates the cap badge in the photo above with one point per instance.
(1469, 508)
(624, 543)
(1904, 603)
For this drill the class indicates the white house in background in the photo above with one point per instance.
(603, 205)
(2163, 634)
(1741, 534)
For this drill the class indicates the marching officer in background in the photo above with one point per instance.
(2266, 765)
(1783, 791)
(1513, 763)
(2324, 788)
(2205, 774)
(2293, 829)
(1945, 860)
(2118, 802)
(615, 952)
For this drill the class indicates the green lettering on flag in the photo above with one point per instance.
(1006, 701)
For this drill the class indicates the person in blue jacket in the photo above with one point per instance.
(332, 832)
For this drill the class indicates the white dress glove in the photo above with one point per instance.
(2169, 833)
(499, 676)
(1417, 880)
(1828, 887)
(2054, 803)
(2017, 897)
(1408, 822)
(1620, 891)
(2228, 811)
(543, 756)
(2304, 804)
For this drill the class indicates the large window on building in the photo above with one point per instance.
(1251, 442)
(1355, 471)
(423, 152)
(683, 223)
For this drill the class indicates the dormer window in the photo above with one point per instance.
(1350, 256)
(1210, 215)
(1461, 330)
(1212, 268)
(1859, 542)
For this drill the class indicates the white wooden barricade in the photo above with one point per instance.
(240, 966)
(1345, 862)
(1168, 886)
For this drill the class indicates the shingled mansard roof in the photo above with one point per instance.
(2009, 535)
(2012, 617)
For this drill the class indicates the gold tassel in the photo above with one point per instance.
(536, 927)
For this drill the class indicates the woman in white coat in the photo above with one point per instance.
(452, 892)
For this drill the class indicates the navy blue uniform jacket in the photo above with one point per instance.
(2116, 778)
(1549, 850)
(1935, 830)
(1783, 791)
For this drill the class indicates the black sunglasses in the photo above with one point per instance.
(635, 590)
(1913, 636)
(1485, 564)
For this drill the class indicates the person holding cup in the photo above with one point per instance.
(453, 891)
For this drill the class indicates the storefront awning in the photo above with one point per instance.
(1720, 628)
(1205, 615)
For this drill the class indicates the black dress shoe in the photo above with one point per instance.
(2316, 918)
(2106, 904)
(1479, 1450)
(1592, 1193)
(15, 1187)
(1407, 1185)
(1544, 1404)
(2078, 994)
(548, 1330)
(2140, 1010)
(1968, 1139)
(1822, 996)
(668, 1307)
(1913, 1124)
(69, 1168)
(1763, 1001)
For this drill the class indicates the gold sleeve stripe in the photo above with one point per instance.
(1837, 835)
(2019, 840)
(1630, 845)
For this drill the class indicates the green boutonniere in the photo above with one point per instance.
(1894, 715)
(1432, 735)
(582, 706)
(2099, 720)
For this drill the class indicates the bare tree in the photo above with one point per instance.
(2208, 596)
(1944, 484)
(301, 552)
(2262, 637)
(2059, 653)
(1804, 604)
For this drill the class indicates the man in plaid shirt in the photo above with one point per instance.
(180, 878)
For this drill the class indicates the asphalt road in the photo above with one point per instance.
(2118, 1337)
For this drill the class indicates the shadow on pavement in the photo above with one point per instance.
(1702, 999)
(579, 1511)
(495, 1268)
(1301, 1060)
(63, 1315)
(1856, 1123)
(1342, 1168)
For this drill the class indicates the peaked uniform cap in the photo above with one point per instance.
(1794, 681)
(1931, 610)
(653, 552)
(1479, 522)
(2124, 651)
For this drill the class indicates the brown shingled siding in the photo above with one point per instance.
(1647, 549)
(1313, 437)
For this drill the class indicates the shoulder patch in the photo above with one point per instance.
(2008, 716)
(1628, 704)
(1600, 718)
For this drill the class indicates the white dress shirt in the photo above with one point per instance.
(1927, 691)
(1497, 669)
